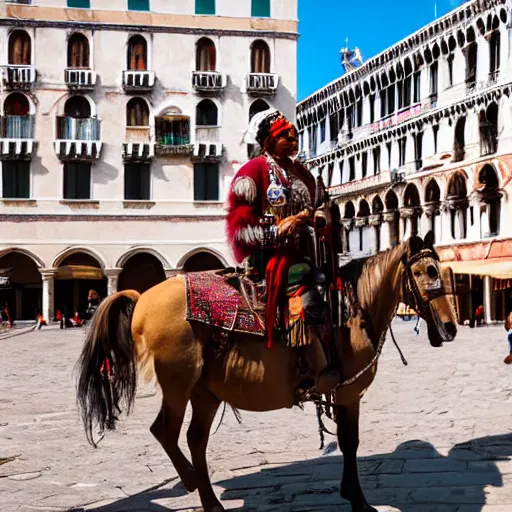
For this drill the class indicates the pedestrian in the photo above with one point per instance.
(508, 328)
(479, 315)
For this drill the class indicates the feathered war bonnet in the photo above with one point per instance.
(269, 123)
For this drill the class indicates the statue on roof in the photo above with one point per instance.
(350, 59)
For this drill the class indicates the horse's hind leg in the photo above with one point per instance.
(166, 429)
(204, 407)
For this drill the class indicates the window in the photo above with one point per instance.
(206, 56)
(16, 104)
(313, 139)
(77, 180)
(81, 4)
(77, 107)
(352, 168)
(435, 129)
(434, 79)
(417, 86)
(17, 121)
(260, 57)
(137, 177)
(323, 127)
(341, 164)
(78, 51)
(206, 182)
(391, 99)
(471, 63)
(359, 112)
(334, 125)
(260, 8)
(418, 150)
(205, 6)
(389, 146)
(173, 130)
(488, 121)
(16, 179)
(449, 61)
(376, 160)
(137, 113)
(459, 145)
(20, 48)
(207, 113)
(372, 108)
(137, 54)
(364, 164)
(402, 146)
(383, 103)
(494, 48)
(407, 91)
(138, 5)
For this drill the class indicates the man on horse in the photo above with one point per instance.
(272, 226)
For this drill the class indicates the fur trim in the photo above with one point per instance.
(252, 235)
(238, 219)
(245, 188)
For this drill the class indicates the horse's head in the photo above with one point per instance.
(429, 289)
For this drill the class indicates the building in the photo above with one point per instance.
(419, 138)
(121, 129)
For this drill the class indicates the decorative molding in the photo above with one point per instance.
(108, 218)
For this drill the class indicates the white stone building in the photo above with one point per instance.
(121, 127)
(420, 138)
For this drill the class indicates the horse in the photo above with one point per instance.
(149, 333)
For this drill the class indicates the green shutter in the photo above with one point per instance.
(205, 6)
(138, 5)
(82, 4)
(199, 182)
(16, 179)
(260, 8)
(77, 180)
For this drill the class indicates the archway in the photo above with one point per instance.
(363, 214)
(202, 261)
(20, 286)
(392, 209)
(76, 275)
(458, 203)
(432, 204)
(141, 272)
(350, 213)
(490, 207)
(412, 205)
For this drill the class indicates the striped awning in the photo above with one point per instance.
(499, 268)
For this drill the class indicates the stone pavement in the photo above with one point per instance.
(435, 436)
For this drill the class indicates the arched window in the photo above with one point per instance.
(458, 203)
(432, 200)
(392, 206)
(258, 106)
(489, 130)
(494, 49)
(260, 57)
(77, 107)
(207, 113)
(16, 104)
(78, 52)
(20, 48)
(137, 54)
(412, 200)
(206, 55)
(137, 112)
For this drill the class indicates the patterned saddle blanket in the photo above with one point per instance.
(213, 301)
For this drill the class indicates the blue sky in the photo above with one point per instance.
(372, 25)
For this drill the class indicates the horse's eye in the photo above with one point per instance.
(432, 272)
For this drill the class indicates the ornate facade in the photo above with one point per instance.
(419, 138)
(120, 131)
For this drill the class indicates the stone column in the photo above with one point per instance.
(112, 277)
(347, 226)
(374, 222)
(385, 234)
(48, 275)
(487, 300)
(431, 221)
(446, 225)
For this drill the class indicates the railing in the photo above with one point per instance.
(19, 74)
(172, 139)
(70, 128)
(80, 78)
(17, 127)
(208, 80)
(262, 83)
(135, 79)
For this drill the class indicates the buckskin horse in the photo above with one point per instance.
(150, 332)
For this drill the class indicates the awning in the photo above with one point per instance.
(79, 272)
(499, 268)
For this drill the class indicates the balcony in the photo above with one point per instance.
(16, 137)
(173, 136)
(137, 146)
(80, 79)
(138, 81)
(78, 139)
(18, 77)
(262, 84)
(207, 147)
(209, 81)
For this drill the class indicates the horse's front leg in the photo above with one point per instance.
(347, 418)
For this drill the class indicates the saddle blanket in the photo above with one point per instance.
(212, 301)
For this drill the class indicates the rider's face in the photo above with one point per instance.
(287, 144)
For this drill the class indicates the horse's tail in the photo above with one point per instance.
(108, 364)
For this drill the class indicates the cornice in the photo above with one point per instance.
(38, 217)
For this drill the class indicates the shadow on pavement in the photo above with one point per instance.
(413, 478)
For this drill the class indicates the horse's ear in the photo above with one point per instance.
(429, 240)
(415, 245)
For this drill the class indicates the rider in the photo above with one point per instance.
(264, 192)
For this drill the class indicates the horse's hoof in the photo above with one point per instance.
(190, 481)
